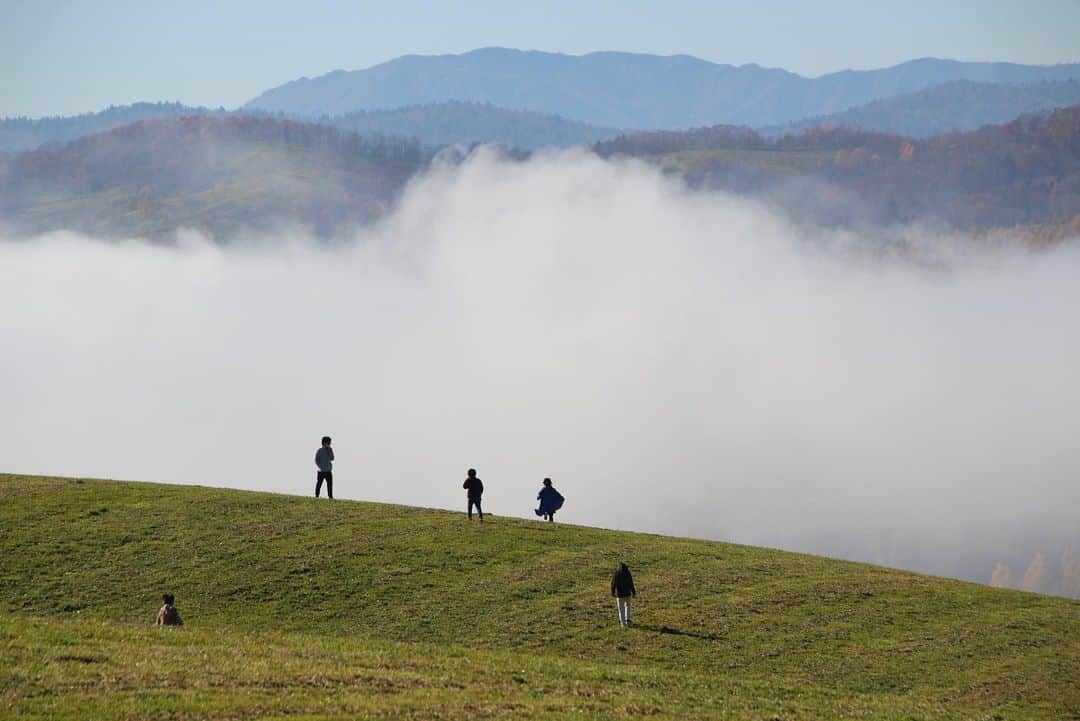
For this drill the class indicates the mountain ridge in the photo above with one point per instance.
(626, 90)
(956, 106)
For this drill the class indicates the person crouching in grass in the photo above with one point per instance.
(168, 615)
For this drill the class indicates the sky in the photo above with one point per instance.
(62, 57)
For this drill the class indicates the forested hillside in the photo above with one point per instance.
(217, 175)
(431, 125)
(18, 134)
(223, 175)
(1023, 173)
(467, 123)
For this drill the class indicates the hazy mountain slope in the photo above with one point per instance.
(1022, 173)
(465, 123)
(218, 175)
(960, 105)
(433, 125)
(225, 175)
(307, 608)
(625, 90)
(17, 134)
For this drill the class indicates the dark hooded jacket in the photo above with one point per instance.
(475, 488)
(622, 583)
(550, 500)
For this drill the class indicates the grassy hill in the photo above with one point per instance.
(317, 609)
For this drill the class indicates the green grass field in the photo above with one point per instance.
(310, 609)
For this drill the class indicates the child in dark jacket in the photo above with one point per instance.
(474, 488)
(550, 501)
(622, 588)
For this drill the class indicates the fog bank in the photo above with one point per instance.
(677, 362)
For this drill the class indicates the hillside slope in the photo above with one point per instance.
(19, 134)
(961, 105)
(337, 609)
(1023, 173)
(626, 90)
(455, 122)
(432, 125)
(219, 175)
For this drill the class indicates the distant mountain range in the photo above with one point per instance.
(960, 105)
(627, 90)
(531, 100)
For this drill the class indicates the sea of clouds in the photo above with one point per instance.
(677, 361)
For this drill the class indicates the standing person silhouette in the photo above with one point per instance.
(622, 588)
(324, 461)
(475, 489)
(550, 501)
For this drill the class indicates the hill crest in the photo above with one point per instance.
(626, 90)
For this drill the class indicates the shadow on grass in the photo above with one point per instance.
(670, 631)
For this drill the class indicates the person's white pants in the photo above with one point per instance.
(624, 610)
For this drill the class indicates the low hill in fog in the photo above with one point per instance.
(215, 174)
(227, 175)
(1024, 173)
(296, 606)
(19, 134)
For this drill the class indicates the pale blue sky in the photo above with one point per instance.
(70, 56)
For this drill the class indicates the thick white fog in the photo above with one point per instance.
(678, 362)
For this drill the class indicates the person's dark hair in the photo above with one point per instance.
(623, 568)
(472, 471)
(547, 481)
(168, 598)
(326, 440)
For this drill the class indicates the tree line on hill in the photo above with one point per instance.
(216, 174)
(224, 173)
(433, 126)
(1026, 172)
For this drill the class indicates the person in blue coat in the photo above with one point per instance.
(550, 501)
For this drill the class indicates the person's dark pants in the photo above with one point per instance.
(327, 476)
(550, 516)
(475, 502)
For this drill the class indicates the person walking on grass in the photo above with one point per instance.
(168, 615)
(550, 501)
(324, 461)
(622, 588)
(475, 489)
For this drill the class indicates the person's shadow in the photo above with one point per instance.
(670, 631)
